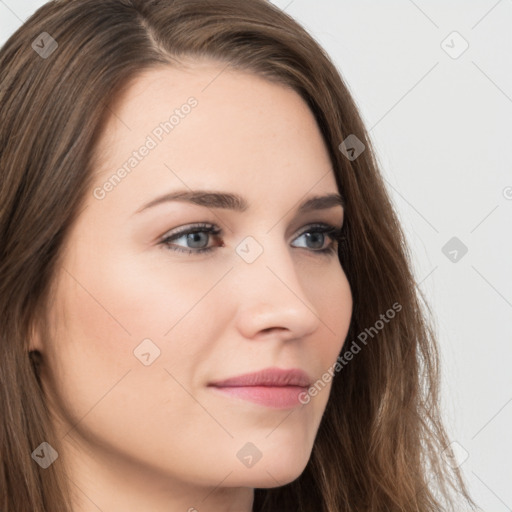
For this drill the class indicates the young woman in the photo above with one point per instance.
(206, 297)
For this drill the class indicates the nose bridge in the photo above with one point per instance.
(272, 294)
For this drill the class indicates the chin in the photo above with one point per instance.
(271, 473)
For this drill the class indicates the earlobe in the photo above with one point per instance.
(35, 359)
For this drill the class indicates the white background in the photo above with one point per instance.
(442, 128)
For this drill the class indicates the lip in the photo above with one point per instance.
(272, 387)
(268, 377)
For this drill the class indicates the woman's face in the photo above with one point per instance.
(140, 330)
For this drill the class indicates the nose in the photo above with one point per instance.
(271, 297)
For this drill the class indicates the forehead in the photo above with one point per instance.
(205, 125)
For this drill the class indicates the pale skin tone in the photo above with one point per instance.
(155, 437)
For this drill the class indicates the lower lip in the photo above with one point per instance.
(279, 397)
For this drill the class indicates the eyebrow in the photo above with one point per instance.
(230, 201)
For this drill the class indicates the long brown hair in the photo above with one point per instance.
(380, 443)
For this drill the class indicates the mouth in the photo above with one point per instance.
(272, 387)
(276, 397)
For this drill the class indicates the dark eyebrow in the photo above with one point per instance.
(229, 201)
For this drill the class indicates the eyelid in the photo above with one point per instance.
(214, 230)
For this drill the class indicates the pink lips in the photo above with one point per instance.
(272, 387)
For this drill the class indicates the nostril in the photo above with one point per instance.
(270, 329)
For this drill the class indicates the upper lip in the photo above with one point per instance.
(267, 377)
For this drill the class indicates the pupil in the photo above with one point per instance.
(195, 237)
(309, 236)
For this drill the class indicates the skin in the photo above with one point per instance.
(155, 437)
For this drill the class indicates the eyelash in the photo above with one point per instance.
(334, 233)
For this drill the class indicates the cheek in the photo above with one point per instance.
(89, 350)
(106, 320)
(103, 392)
(331, 295)
(152, 294)
(334, 304)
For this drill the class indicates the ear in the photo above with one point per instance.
(35, 341)
(35, 348)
